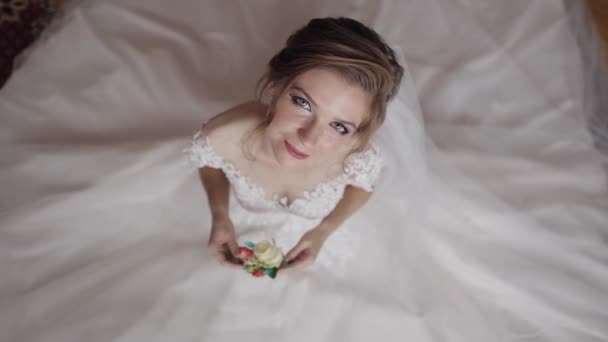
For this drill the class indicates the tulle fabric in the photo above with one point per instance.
(484, 226)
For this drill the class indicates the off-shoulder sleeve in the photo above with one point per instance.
(201, 153)
(363, 169)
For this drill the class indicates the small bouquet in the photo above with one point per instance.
(262, 258)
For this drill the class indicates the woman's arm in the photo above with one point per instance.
(353, 199)
(216, 186)
(307, 249)
(224, 129)
(222, 240)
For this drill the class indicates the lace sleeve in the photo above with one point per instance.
(363, 169)
(201, 153)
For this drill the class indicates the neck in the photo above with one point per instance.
(263, 151)
(266, 149)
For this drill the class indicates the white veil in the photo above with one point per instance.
(481, 229)
(479, 262)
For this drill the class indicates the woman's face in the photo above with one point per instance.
(315, 119)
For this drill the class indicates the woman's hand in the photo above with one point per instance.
(305, 252)
(222, 243)
(307, 249)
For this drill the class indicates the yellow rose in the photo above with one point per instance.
(268, 253)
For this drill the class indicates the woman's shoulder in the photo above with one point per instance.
(237, 119)
(226, 130)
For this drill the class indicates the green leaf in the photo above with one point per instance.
(273, 273)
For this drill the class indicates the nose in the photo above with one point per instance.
(310, 134)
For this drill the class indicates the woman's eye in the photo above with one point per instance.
(300, 102)
(340, 128)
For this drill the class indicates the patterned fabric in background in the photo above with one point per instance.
(21, 22)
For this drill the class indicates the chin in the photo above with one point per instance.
(288, 161)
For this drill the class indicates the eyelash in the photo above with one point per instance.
(301, 102)
(298, 101)
(340, 128)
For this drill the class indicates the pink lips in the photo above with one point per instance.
(294, 151)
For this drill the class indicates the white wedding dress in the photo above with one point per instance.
(259, 216)
(497, 234)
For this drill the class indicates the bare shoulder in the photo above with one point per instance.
(227, 124)
(226, 129)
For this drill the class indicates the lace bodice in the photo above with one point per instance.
(361, 170)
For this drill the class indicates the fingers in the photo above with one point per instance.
(223, 246)
(294, 252)
(299, 257)
(223, 259)
(233, 246)
(302, 261)
(224, 256)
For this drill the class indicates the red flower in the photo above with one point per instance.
(258, 273)
(245, 253)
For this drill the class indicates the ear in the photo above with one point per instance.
(269, 93)
(272, 89)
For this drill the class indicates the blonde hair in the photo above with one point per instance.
(346, 46)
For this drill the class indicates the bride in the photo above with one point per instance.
(307, 152)
(431, 256)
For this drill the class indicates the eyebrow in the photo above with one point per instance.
(303, 91)
(300, 89)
